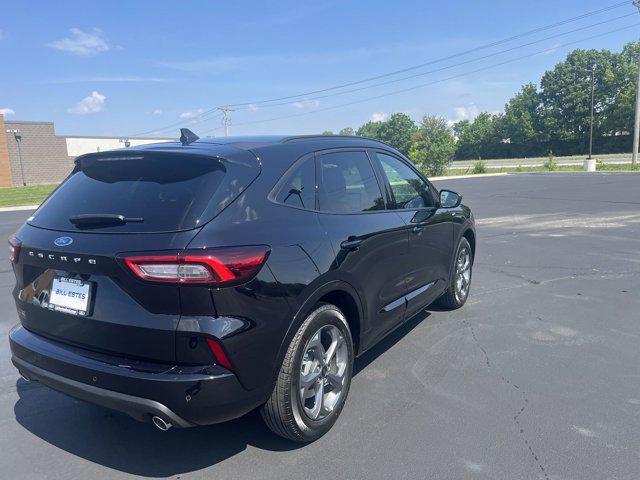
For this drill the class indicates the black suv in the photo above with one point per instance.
(189, 283)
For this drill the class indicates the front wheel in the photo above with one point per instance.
(458, 291)
(314, 379)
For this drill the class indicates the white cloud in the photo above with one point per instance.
(7, 111)
(306, 104)
(467, 113)
(82, 43)
(94, 103)
(157, 111)
(191, 113)
(378, 116)
(252, 107)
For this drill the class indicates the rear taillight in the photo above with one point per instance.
(216, 266)
(14, 248)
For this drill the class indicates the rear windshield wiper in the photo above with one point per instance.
(100, 219)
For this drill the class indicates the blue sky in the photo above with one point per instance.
(122, 68)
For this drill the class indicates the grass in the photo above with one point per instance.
(29, 195)
(577, 158)
(601, 167)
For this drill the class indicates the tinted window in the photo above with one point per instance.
(408, 189)
(168, 191)
(347, 184)
(298, 188)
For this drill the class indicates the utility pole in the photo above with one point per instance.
(636, 128)
(593, 90)
(18, 137)
(226, 119)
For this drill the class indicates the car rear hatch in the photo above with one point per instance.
(72, 281)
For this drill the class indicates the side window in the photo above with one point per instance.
(298, 189)
(347, 184)
(408, 189)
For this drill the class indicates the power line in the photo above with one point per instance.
(454, 65)
(448, 67)
(202, 116)
(416, 87)
(441, 59)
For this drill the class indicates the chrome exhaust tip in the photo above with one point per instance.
(160, 423)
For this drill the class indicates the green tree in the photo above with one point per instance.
(522, 121)
(566, 94)
(369, 129)
(621, 111)
(347, 131)
(478, 139)
(397, 132)
(433, 145)
(327, 132)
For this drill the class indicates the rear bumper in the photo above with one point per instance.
(183, 396)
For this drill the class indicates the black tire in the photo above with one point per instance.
(452, 297)
(284, 412)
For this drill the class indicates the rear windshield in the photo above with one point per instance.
(158, 192)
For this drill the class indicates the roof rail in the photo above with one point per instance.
(293, 138)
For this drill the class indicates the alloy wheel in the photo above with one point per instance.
(463, 274)
(322, 372)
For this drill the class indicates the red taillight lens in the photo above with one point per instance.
(219, 353)
(14, 248)
(216, 266)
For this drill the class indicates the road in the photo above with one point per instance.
(537, 377)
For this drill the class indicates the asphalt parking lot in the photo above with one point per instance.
(536, 377)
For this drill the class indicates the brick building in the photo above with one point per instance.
(32, 153)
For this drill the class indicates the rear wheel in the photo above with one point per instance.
(458, 291)
(314, 379)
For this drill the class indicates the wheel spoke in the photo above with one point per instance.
(335, 339)
(335, 381)
(307, 381)
(315, 344)
(314, 413)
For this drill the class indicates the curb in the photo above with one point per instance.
(17, 209)
(478, 175)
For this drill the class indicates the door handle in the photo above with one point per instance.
(417, 229)
(350, 244)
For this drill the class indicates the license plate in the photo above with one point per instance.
(70, 295)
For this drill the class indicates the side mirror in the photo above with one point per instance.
(449, 199)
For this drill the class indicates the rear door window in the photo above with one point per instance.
(162, 191)
(347, 183)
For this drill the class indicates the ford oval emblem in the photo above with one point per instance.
(63, 241)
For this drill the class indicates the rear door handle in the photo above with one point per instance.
(350, 244)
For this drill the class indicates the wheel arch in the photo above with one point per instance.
(470, 235)
(337, 292)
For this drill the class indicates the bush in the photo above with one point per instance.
(433, 146)
(551, 163)
(479, 167)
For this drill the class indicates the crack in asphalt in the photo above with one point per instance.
(523, 407)
(602, 275)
